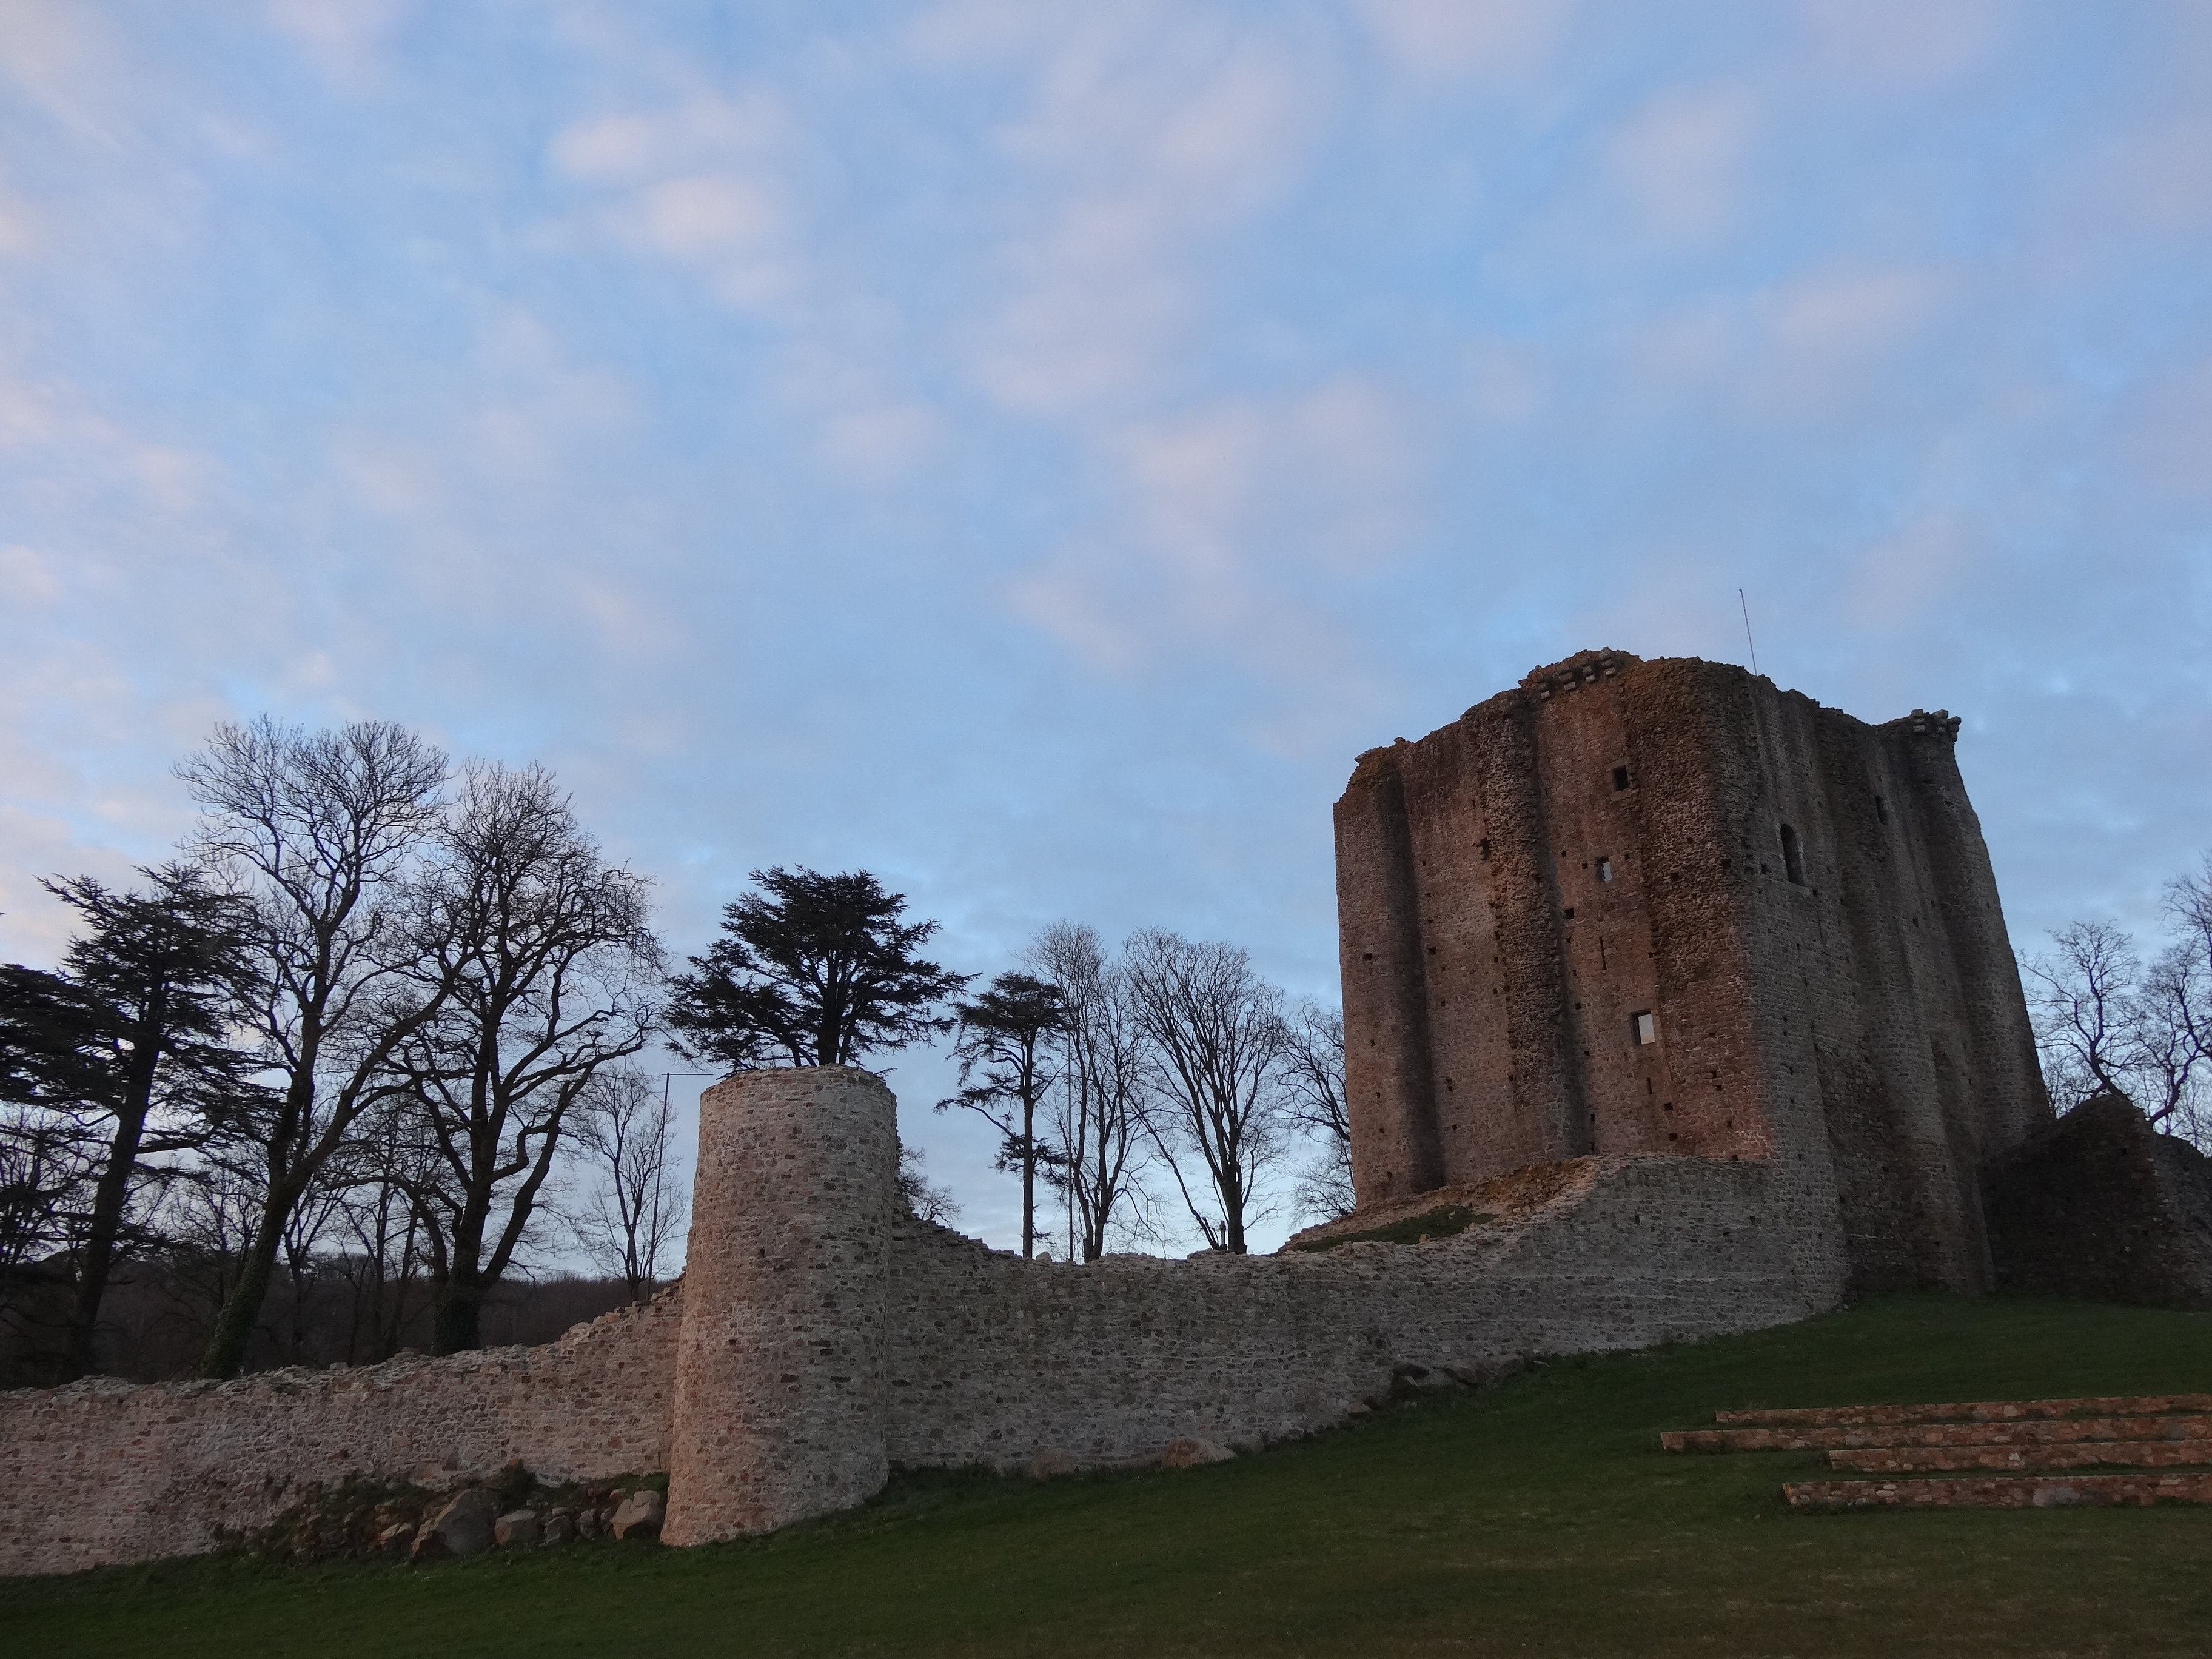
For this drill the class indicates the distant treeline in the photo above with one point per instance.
(159, 1310)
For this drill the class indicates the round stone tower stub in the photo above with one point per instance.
(780, 1410)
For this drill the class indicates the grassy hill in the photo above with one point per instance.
(1534, 1517)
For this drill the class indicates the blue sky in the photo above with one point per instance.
(1028, 450)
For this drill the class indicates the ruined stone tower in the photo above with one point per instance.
(1663, 908)
(780, 1408)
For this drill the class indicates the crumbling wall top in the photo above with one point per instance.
(1572, 673)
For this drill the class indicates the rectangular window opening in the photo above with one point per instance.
(1605, 869)
(1793, 858)
(1643, 1028)
(1621, 777)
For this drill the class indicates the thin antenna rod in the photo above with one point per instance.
(1745, 604)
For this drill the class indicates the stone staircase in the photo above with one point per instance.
(2037, 1445)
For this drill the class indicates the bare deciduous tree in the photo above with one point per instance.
(2079, 996)
(315, 830)
(2103, 1023)
(1215, 1032)
(1097, 1113)
(386, 1256)
(1313, 1076)
(49, 1155)
(934, 1205)
(49, 1161)
(2172, 1025)
(634, 1211)
(209, 1219)
(547, 967)
(2182, 983)
(307, 1265)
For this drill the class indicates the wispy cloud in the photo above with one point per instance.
(347, 39)
(1147, 135)
(1487, 40)
(699, 184)
(1906, 44)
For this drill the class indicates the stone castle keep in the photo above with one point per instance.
(1664, 910)
(1683, 1004)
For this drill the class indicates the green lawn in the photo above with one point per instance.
(1537, 1517)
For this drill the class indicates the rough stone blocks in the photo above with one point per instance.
(1663, 908)
(779, 1385)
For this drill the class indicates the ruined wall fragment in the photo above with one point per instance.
(130, 1472)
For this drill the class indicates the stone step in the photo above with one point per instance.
(2080, 1454)
(1824, 1437)
(2001, 1492)
(1979, 1410)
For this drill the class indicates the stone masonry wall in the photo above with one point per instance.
(780, 1386)
(1800, 905)
(993, 1359)
(113, 1471)
(821, 1336)
(2101, 1205)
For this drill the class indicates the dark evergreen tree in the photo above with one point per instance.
(814, 970)
(51, 1053)
(1004, 1073)
(50, 1065)
(131, 1042)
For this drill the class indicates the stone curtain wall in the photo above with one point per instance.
(113, 1471)
(826, 1338)
(993, 1359)
(821, 1337)
(1801, 901)
(2101, 1205)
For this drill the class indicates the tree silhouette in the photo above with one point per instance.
(1004, 1073)
(814, 970)
(131, 1044)
(316, 831)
